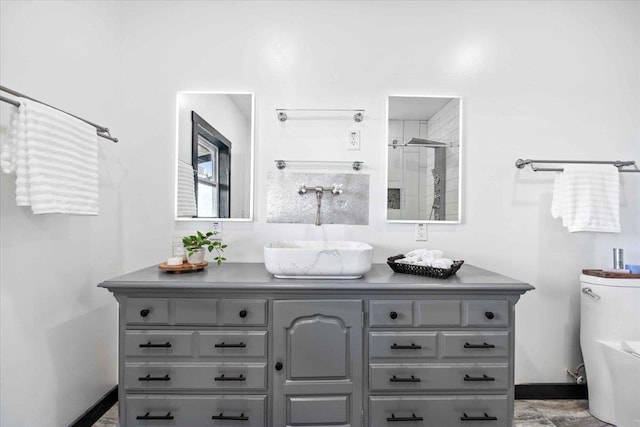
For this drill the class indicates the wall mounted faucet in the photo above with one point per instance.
(336, 190)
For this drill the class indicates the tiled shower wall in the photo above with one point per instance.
(445, 126)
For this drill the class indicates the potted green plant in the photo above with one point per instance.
(196, 246)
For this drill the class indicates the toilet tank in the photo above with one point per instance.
(610, 311)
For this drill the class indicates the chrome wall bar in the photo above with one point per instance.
(101, 131)
(356, 164)
(358, 114)
(520, 163)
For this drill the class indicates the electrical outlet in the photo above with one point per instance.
(353, 143)
(216, 228)
(421, 232)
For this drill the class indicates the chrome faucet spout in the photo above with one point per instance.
(319, 192)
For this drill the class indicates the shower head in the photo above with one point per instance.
(418, 142)
(426, 143)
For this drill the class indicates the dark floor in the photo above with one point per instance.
(529, 413)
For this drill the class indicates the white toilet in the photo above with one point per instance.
(610, 341)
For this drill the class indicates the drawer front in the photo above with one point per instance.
(486, 313)
(147, 311)
(400, 345)
(240, 312)
(236, 344)
(438, 313)
(318, 410)
(196, 411)
(434, 411)
(439, 377)
(159, 343)
(475, 344)
(390, 313)
(171, 376)
(200, 311)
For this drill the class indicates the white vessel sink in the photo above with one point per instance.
(317, 260)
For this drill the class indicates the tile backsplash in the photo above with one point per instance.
(285, 205)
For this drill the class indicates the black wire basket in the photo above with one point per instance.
(423, 270)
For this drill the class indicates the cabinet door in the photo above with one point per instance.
(319, 347)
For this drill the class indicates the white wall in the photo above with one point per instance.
(538, 79)
(57, 329)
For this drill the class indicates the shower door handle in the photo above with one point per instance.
(588, 291)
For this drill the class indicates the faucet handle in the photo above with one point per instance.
(337, 189)
(302, 189)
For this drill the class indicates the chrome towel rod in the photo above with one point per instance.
(100, 130)
(520, 163)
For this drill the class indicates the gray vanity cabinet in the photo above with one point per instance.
(317, 348)
(232, 346)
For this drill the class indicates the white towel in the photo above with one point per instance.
(186, 199)
(445, 263)
(587, 198)
(416, 253)
(430, 256)
(55, 159)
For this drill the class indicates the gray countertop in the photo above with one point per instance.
(254, 276)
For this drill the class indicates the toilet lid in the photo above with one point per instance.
(617, 283)
(631, 346)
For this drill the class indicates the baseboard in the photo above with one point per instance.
(540, 391)
(97, 410)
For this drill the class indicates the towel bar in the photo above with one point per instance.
(520, 163)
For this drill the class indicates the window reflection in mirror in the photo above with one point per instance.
(215, 156)
(423, 159)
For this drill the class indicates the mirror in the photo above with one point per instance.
(215, 156)
(423, 159)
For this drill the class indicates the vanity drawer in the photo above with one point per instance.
(390, 313)
(240, 312)
(147, 311)
(235, 344)
(436, 411)
(196, 411)
(182, 376)
(158, 343)
(475, 344)
(459, 377)
(195, 311)
(403, 345)
(438, 313)
(486, 313)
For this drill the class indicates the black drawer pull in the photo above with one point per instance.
(155, 417)
(482, 378)
(406, 347)
(393, 315)
(149, 345)
(223, 345)
(227, 417)
(145, 312)
(401, 419)
(150, 378)
(486, 417)
(223, 378)
(243, 313)
(483, 345)
(489, 315)
(413, 379)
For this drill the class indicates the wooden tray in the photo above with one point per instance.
(600, 273)
(184, 268)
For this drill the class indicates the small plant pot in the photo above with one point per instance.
(197, 256)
